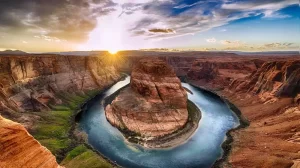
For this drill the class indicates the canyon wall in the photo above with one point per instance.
(218, 74)
(31, 90)
(33, 83)
(279, 79)
(267, 93)
(181, 64)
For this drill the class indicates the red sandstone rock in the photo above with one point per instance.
(30, 83)
(154, 105)
(19, 149)
(217, 74)
(280, 79)
(267, 100)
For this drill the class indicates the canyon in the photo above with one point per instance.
(267, 94)
(43, 93)
(264, 88)
(34, 83)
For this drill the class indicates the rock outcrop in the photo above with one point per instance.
(273, 79)
(297, 100)
(32, 83)
(19, 149)
(218, 74)
(154, 105)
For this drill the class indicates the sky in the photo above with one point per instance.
(206, 25)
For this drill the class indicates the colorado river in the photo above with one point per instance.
(201, 150)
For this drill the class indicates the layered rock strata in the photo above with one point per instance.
(217, 74)
(19, 149)
(154, 105)
(268, 98)
(32, 83)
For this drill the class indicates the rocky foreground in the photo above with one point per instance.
(154, 105)
(19, 149)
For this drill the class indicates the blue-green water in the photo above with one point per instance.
(201, 150)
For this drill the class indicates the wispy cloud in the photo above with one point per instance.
(269, 14)
(239, 45)
(49, 38)
(181, 6)
(211, 40)
(187, 18)
(230, 42)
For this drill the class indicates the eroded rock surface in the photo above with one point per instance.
(32, 83)
(273, 79)
(217, 74)
(154, 105)
(268, 98)
(19, 149)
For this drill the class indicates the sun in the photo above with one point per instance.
(113, 51)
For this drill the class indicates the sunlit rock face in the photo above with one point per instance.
(273, 79)
(154, 105)
(19, 149)
(31, 83)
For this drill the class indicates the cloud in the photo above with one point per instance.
(238, 45)
(49, 38)
(233, 43)
(209, 49)
(67, 19)
(187, 18)
(162, 31)
(181, 6)
(259, 5)
(277, 45)
(269, 14)
(25, 42)
(211, 40)
(73, 21)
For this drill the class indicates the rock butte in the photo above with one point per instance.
(154, 105)
(19, 149)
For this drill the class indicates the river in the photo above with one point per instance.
(201, 150)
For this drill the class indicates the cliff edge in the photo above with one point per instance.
(19, 149)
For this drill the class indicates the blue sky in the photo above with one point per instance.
(244, 25)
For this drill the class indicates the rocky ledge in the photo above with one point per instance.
(19, 149)
(153, 107)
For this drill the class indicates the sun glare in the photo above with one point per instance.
(113, 51)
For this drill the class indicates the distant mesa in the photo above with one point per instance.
(13, 52)
(153, 106)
